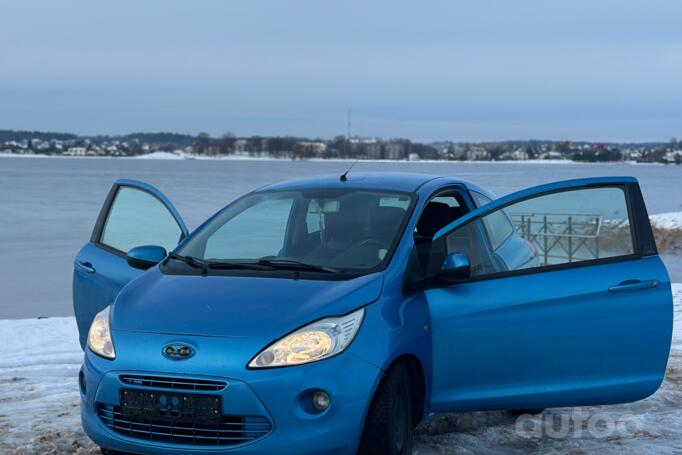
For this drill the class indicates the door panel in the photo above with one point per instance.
(134, 214)
(92, 291)
(552, 339)
(568, 303)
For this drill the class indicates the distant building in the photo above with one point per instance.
(76, 151)
(552, 155)
(373, 150)
(395, 151)
(478, 153)
(307, 149)
(240, 145)
(520, 154)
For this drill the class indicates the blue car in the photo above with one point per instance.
(333, 314)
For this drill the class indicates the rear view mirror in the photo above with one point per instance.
(144, 257)
(456, 267)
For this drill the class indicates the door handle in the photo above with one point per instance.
(85, 266)
(633, 285)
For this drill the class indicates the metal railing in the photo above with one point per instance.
(560, 237)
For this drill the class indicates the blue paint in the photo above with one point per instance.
(586, 335)
(146, 256)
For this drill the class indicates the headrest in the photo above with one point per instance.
(384, 221)
(386, 216)
(435, 216)
(456, 212)
(339, 226)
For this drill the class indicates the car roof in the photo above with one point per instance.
(389, 181)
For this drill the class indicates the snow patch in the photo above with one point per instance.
(161, 156)
(670, 220)
(667, 228)
(39, 398)
(266, 157)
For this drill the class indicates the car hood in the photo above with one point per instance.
(234, 306)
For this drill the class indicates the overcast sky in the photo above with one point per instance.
(427, 70)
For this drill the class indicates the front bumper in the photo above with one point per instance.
(279, 396)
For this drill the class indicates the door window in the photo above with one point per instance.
(499, 227)
(137, 218)
(566, 227)
(470, 240)
(480, 199)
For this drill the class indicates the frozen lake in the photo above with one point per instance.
(48, 206)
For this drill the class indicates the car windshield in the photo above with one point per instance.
(331, 230)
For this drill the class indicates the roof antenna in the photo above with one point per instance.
(344, 177)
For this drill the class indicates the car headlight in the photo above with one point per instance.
(99, 336)
(316, 341)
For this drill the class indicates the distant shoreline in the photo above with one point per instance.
(164, 156)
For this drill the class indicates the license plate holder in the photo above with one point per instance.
(171, 406)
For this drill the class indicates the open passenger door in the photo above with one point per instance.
(134, 214)
(562, 300)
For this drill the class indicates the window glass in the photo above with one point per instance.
(469, 239)
(567, 227)
(313, 218)
(137, 218)
(498, 227)
(347, 230)
(438, 213)
(400, 202)
(479, 199)
(256, 232)
(451, 201)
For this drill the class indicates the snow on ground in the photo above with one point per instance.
(39, 407)
(670, 220)
(39, 400)
(162, 156)
(667, 228)
(179, 154)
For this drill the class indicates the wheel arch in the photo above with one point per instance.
(417, 391)
(418, 382)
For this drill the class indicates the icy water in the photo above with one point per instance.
(48, 206)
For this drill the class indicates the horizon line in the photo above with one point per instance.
(327, 138)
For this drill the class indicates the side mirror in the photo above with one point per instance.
(456, 267)
(144, 257)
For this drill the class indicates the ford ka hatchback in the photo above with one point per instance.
(332, 315)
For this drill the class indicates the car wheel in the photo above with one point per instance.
(518, 412)
(389, 427)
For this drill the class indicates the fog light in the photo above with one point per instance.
(321, 400)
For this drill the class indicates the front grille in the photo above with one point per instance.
(160, 382)
(232, 430)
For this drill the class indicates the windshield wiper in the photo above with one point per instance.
(293, 264)
(204, 266)
(215, 265)
(264, 263)
(189, 260)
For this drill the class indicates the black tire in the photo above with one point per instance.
(113, 452)
(389, 428)
(518, 412)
